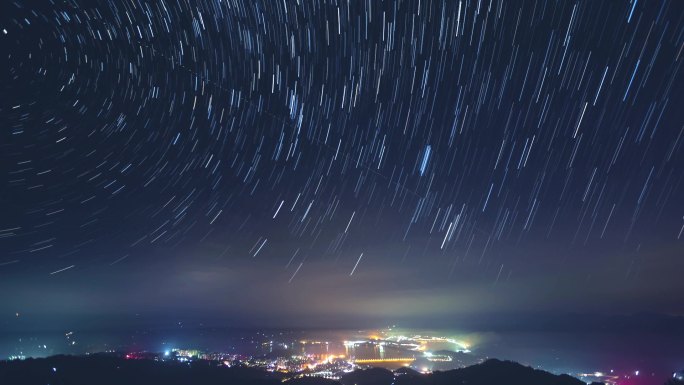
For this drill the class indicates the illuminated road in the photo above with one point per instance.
(384, 360)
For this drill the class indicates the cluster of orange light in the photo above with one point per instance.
(324, 360)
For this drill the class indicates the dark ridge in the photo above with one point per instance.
(491, 372)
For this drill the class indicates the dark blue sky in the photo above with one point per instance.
(357, 161)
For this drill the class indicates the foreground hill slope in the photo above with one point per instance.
(108, 370)
(491, 372)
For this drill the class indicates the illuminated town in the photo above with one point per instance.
(332, 359)
(333, 354)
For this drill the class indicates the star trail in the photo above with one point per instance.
(470, 146)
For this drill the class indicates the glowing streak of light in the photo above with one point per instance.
(61, 270)
(295, 273)
(357, 263)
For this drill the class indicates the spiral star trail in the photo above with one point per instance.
(485, 149)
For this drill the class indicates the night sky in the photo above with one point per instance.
(313, 163)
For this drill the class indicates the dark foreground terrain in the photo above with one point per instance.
(106, 370)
